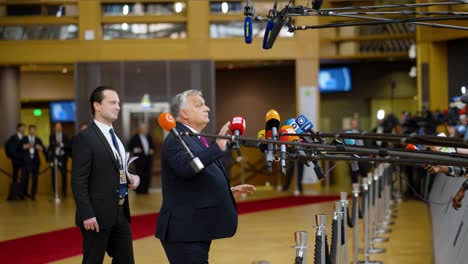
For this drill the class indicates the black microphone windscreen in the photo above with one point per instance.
(464, 98)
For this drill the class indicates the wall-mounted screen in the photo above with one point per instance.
(62, 111)
(336, 79)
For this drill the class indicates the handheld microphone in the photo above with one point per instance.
(166, 121)
(307, 126)
(237, 129)
(249, 12)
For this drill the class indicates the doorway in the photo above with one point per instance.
(135, 113)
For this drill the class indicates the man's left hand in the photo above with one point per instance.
(243, 188)
(135, 182)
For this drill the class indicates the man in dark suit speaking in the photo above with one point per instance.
(196, 207)
(99, 184)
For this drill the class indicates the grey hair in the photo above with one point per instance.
(179, 100)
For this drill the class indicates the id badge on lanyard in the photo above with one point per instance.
(123, 176)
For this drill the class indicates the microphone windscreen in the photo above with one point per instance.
(268, 134)
(261, 134)
(166, 121)
(283, 137)
(411, 147)
(272, 119)
(268, 30)
(248, 21)
(464, 98)
(238, 123)
(304, 123)
(293, 124)
(274, 32)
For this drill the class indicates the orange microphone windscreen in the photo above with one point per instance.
(166, 121)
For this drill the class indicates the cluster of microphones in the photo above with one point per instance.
(276, 20)
(275, 141)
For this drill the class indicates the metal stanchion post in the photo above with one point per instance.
(380, 207)
(387, 199)
(344, 205)
(366, 189)
(300, 237)
(321, 232)
(338, 216)
(356, 223)
(399, 196)
(375, 213)
(56, 194)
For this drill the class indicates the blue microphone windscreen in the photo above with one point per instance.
(248, 21)
(268, 29)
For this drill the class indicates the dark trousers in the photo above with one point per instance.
(30, 168)
(187, 252)
(363, 169)
(62, 167)
(145, 177)
(290, 173)
(116, 241)
(16, 170)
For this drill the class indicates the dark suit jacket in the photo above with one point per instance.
(95, 179)
(27, 157)
(196, 206)
(14, 150)
(53, 143)
(143, 160)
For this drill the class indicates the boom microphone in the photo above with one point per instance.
(166, 121)
(249, 12)
(272, 30)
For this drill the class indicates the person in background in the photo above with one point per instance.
(14, 151)
(59, 150)
(141, 145)
(363, 165)
(32, 146)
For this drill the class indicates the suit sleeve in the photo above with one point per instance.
(179, 161)
(81, 168)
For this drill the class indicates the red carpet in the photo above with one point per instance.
(60, 244)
